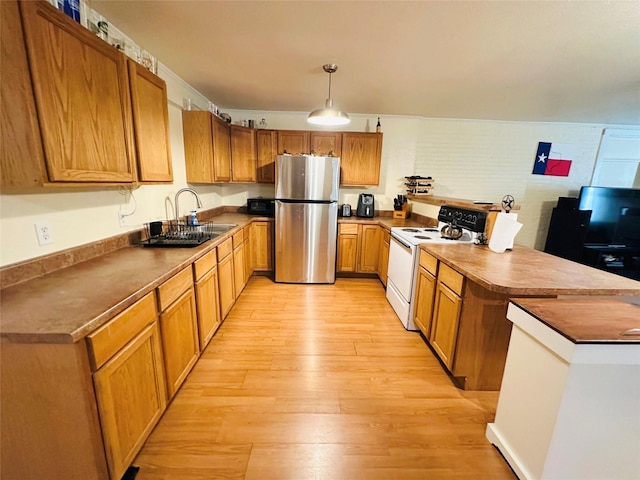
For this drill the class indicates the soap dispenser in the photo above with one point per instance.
(193, 219)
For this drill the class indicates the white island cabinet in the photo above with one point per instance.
(569, 406)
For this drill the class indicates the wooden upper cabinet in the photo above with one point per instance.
(294, 142)
(243, 154)
(325, 143)
(151, 124)
(360, 158)
(207, 147)
(81, 89)
(21, 155)
(266, 151)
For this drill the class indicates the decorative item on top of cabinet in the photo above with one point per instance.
(326, 144)
(360, 158)
(226, 277)
(266, 146)
(129, 381)
(151, 124)
(207, 147)
(243, 154)
(205, 271)
(295, 142)
(178, 327)
(86, 129)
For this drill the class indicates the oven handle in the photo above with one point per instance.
(401, 242)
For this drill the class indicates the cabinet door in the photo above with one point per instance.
(151, 124)
(325, 143)
(444, 329)
(131, 396)
(383, 257)
(248, 266)
(266, 146)
(294, 142)
(360, 159)
(81, 86)
(197, 132)
(221, 150)
(243, 154)
(347, 249)
(369, 248)
(425, 296)
(208, 306)
(21, 155)
(238, 269)
(226, 283)
(261, 245)
(178, 325)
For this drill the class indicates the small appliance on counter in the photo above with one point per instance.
(344, 210)
(365, 206)
(261, 206)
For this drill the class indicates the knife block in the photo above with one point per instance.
(404, 213)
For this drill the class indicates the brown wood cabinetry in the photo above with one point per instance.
(243, 154)
(261, 245)
(266, 146)
(178, 327)
(205, 271)
(239, 275)
(425, 292)
(294, 142)
(81, 113)
(207, 147)
(446, 314)
(226, 277)
(360, 158)
(383, 256)
(326, 143)
(248, 264)
(151, 124)
(358, 248)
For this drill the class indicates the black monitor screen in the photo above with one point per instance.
(615, 217)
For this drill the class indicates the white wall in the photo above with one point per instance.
(469, 159)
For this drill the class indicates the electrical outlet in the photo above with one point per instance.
(44, 233)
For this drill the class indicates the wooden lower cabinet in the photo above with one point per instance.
(261, 246)
(179, 328)
(248, 264)
(444, 329)
(238, 269)
(383, 256)
(358, 248)
(207, 297)
(131, 396)
(226, 277)
(425, 298)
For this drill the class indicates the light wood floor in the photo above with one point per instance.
(321, 382)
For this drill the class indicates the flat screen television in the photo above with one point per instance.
(615, 215)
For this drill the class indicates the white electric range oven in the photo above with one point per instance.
(404, 255)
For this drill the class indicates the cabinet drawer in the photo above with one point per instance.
(204, 264)
(451, 278)
(349, 228)
(238, 239)
(111, 337)
(429, 262)
(225, 248)
(170, 290)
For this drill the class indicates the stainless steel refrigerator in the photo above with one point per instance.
(306, 218)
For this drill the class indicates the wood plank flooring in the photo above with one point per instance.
(321, 382)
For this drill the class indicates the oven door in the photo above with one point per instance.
(400, 271)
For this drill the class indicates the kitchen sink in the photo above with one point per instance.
(180, 235)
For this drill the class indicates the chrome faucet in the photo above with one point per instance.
(195, 194)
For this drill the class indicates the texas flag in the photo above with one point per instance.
(553, 159)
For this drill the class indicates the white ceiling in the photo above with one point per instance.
(556, 61)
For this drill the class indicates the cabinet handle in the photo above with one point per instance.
(631, 332)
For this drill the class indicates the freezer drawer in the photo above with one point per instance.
(307, 178)
(305, 243)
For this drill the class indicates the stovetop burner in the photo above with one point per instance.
(412, 230)
(422, 237)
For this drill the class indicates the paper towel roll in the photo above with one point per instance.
(504, 231)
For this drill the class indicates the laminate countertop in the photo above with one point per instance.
(586, 320)
(529, 272)
(66, 305)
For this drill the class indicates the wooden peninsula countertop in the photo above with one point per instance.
(529, 272)
(586, 320)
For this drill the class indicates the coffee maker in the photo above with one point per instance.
(365, 205)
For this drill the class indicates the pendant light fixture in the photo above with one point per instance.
(328, 115)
